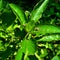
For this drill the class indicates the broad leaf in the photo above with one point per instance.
(19, 13)
(28, 45)
(50, 38)
(19, 55)
(55, 58)
(37, 12)
(45, 29)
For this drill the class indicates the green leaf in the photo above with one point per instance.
(19, 12)
(55, 58)
(37, 12)
(45, 29)
(29, 26)
(1, 5)
(19, 55)
(50, 38)
(28, 46)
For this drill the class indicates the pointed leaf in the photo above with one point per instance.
(19, 12)
(50, 38)
(37, 12)
(45, 29)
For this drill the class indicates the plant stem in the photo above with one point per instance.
(38, 57)
(25, 57)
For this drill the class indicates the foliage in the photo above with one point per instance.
(27, 34)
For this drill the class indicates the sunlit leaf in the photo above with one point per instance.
(45, 29)
(28, 45)
(37, 12)
(50, 38)
(19, 55)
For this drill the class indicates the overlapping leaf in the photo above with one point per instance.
(26, 46)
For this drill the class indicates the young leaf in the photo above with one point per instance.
(29, 26)
(37, 12)
(19, 12)
(19, 55)
(28, 46)
(50, 38)
(45, 29)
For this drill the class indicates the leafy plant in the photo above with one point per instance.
(24, 32)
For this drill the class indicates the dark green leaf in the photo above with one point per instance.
(7, 19)
(19, 13)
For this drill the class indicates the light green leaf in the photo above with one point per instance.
(50, 38)
(19, 12)
(55, 58)
(37, 12)
(45, 29)
(28, 46)
(19, 55)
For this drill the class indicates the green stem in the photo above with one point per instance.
(25, 57)
(38, 57)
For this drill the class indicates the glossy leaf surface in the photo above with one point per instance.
(45, 29)
(19, 13)
(50, 38)
(38, 10)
